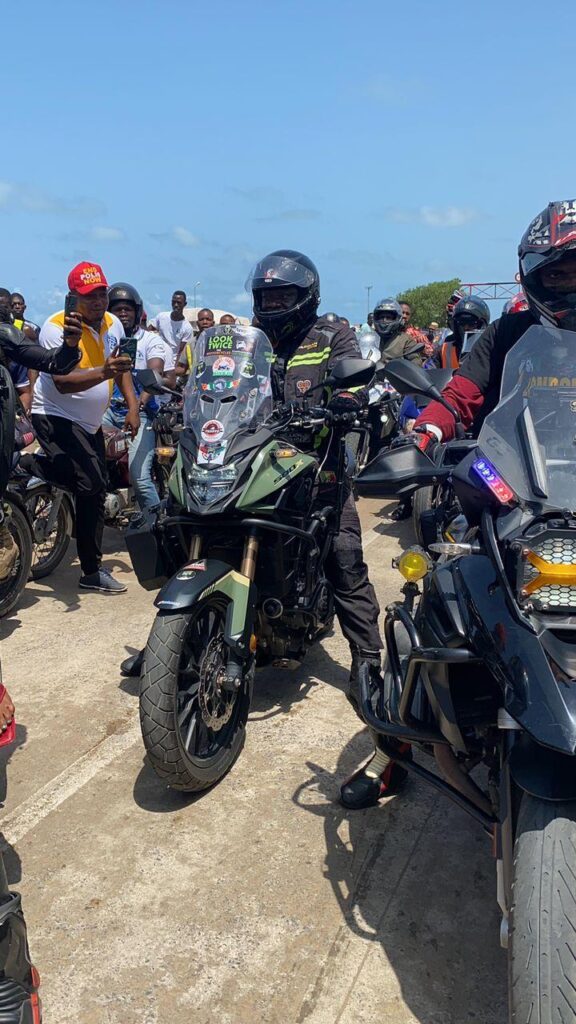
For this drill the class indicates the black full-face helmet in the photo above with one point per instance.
(332, 318)
(388, 319)
(285, 268)
(122, 292)
(470, 314)
(549, 241)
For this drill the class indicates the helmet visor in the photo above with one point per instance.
(279, 272)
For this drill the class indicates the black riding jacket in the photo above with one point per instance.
(302, 365)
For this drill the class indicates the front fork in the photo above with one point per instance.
(235, 665)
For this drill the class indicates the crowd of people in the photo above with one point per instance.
(76, 373)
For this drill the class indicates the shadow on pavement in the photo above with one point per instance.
(417, 877)
(152, 794)
(276, 690)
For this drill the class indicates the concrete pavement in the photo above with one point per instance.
(261, 901)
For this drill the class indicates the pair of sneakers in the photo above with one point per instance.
(103, 582)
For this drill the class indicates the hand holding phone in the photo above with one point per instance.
(72, 321)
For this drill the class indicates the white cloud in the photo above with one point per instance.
(433, 216)
(185, 237)
(241, 299)
(34, 200)
(103, 234)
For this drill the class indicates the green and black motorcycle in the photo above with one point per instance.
(239, 548)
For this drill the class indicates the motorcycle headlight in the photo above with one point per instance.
(547, 572)
(208, 485)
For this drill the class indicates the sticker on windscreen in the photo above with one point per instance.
(223, 366)
(248, 370)
(211, 454)
(212, 430)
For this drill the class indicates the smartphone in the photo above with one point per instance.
(71, 304)
(127, 347)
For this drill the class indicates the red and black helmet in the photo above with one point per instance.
(451, 304)
(517, 304)
(548, 239)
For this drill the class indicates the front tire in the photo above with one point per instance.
(13, 585)
(48, 550)
(192, 729)
(423, 500)
(542, 951)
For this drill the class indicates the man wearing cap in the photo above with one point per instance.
(67, 414)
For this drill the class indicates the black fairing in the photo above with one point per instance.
(398, 472)
(513, 654)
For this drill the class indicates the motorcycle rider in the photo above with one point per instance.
(547, 258)
(285, 287)
(469, 314)
(395, 342)
(149, 353)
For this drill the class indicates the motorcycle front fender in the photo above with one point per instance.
(204, 578)
(544, 773)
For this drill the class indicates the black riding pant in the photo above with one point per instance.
(77, 462)
(354, 597)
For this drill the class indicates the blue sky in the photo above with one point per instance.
(178, 141)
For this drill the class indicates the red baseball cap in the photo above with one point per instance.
(85, 278)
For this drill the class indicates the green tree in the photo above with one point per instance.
(428, 301)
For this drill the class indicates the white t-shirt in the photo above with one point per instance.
(86, 408)
(175, 334)
(150, 346)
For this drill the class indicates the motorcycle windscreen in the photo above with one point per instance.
(398, 472)
(530, 438)
(229, 387)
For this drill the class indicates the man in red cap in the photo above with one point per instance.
(67, 413)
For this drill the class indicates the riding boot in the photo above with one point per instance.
(380, 776)
(132, 666)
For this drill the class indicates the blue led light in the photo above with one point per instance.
(487, 472)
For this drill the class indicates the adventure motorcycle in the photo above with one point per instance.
(244, 534)
(481, 666)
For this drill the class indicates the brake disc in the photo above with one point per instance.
(216, 703)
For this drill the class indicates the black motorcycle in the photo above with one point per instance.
(481, 667)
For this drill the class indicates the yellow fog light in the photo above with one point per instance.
(285, 453)
(164, 454)
(413, 564)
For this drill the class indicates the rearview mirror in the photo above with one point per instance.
(407, 378)
(351, 373)
(150, 380)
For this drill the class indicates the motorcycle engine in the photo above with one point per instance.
(114, 503)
